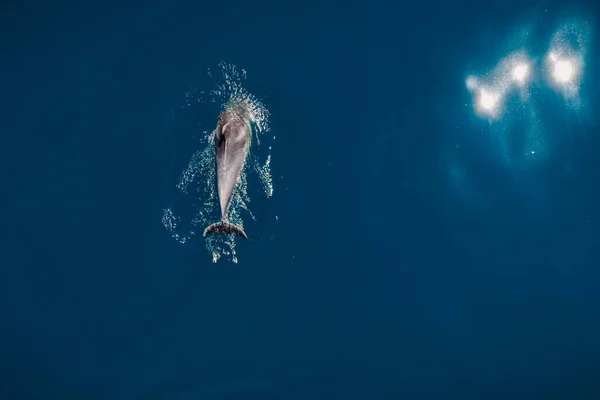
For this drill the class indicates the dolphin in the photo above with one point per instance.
(232, 142)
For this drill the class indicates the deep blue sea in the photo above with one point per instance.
(433, 230)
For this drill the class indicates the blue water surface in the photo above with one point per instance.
(420, 251)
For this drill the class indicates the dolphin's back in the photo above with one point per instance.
(232, 141)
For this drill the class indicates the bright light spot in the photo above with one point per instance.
(520, 72)
(490, 89)
(487, 100)
(563, 71)
(471, 83)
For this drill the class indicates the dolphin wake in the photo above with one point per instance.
(196, 185)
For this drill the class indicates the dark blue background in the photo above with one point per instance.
(377, 285)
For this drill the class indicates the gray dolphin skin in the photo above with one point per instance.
(232, 141)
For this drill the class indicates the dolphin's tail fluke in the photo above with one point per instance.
(225, 227)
